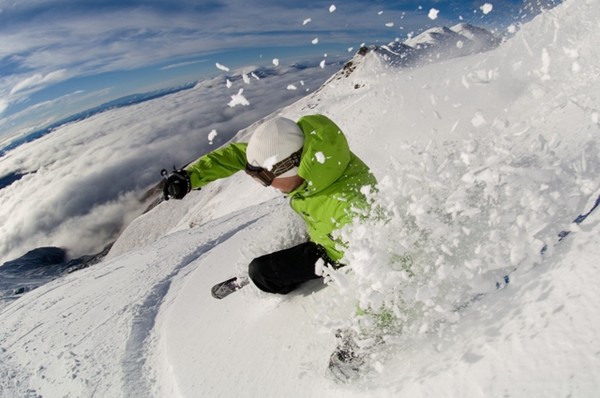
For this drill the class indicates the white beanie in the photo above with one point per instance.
(272, 142)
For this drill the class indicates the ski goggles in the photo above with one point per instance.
(266, 177)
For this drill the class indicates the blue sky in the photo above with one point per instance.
(58, 57)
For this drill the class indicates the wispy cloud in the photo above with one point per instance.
(38, 80)
(3, 106)
(182, 64)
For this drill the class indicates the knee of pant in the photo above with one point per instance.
(256, 269)
(258, 273)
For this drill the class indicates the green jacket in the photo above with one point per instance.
(333, 177)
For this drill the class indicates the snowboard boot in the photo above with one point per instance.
(346, 362)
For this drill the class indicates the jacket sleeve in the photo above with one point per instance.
(220, 163)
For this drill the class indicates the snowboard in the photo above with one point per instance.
(347, 362)
(225, 288)
(346, 365)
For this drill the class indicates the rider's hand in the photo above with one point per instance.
(177, 185)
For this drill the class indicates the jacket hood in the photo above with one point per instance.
(325, 155)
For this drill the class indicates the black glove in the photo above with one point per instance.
(177, 185)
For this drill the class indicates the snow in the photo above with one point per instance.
(270, 162)
(320, 157)
(481, 161)
(238, 99)
(212, 135)
(433, 14)
(222, 67)
(487, 8)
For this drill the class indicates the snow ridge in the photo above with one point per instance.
(433, 45)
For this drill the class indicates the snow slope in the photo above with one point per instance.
(482, 160)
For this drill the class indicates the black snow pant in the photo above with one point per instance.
(282, 271)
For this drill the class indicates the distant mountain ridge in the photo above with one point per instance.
(38, 267)
(463, 36)
(433, 45)
(113, 104)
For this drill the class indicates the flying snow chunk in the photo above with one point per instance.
(315, 40)
(478, 120)
(238, 99)
(571, 52)
(322, 64)
(306, 21)
(389, 24)
(270, 162)
(222, 67)
(276, 61)
(228, 83)
(486, 8)
(332, 8)
(246, 78)
(545, 69)
(320, 157)
(433, 13)
(292, 87)
(211, 136)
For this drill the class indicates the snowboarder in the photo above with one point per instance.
(309, 161)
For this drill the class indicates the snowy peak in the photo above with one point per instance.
(478, 36)
(462, 36)
(434, 37)
(433, 45)
(443, 43)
